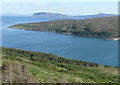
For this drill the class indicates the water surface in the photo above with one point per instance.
(93, 50)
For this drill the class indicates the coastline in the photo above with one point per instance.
(108, 39)
(114, 39)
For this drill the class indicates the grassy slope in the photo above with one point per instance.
(105, 27)
(48, 68)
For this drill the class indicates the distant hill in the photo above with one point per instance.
(19, 66)
(105, 27)
(51, 15)
(57, 15)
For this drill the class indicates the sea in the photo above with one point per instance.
(95, 50)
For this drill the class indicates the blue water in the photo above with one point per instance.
(93, 50)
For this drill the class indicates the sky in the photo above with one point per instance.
(73, 7)
(60, 0)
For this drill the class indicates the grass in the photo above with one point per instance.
(45, 70)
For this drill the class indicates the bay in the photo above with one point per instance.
(93, 50)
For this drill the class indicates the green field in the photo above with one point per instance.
(21, 66)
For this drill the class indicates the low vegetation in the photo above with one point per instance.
(105, 27)
(33, 67)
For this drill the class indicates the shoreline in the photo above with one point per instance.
(58, 56)
(115, 39)
(108, 39)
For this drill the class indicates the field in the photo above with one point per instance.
(21, 66)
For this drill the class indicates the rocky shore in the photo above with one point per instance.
(114, 39)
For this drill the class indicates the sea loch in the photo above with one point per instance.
(93, 50)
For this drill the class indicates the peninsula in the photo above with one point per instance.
(105, 27)
(63, 16)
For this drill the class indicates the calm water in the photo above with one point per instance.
(93, 50)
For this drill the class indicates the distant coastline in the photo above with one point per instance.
(62, 16)
(108, 39)
(114, 39)
(104, 27)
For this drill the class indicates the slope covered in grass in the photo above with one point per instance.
(33, 67)
(105, 27)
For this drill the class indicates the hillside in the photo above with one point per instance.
(51, 15)
(106, 27)
(62, 16)
(21, 66)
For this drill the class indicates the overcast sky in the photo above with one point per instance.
(68, 8)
